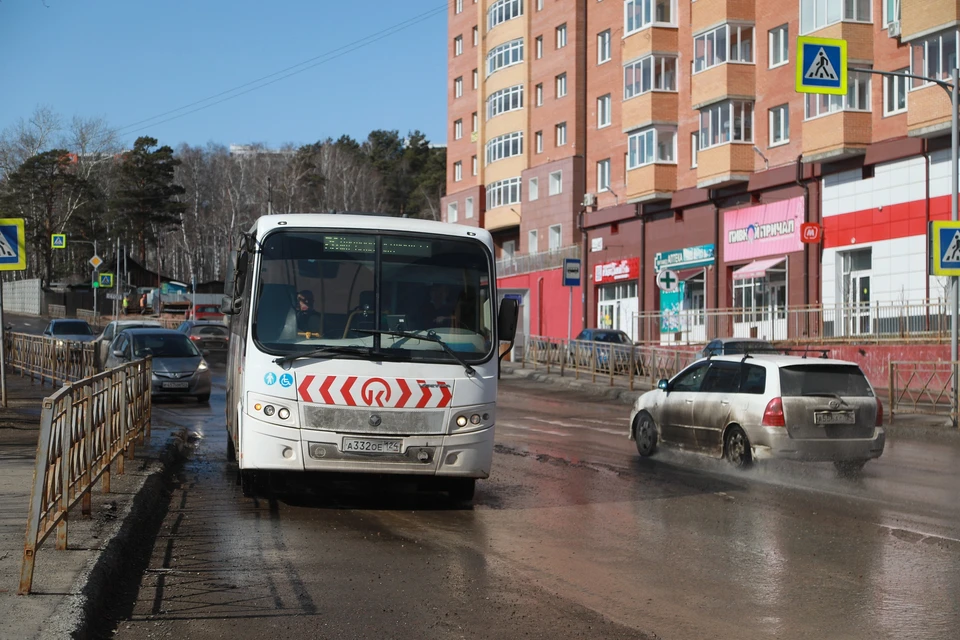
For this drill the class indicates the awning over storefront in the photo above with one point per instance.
(686, 274)
(757, 268)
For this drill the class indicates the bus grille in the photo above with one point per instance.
(392, 422)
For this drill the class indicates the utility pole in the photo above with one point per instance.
(269, 195)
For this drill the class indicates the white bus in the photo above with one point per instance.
(364, 344)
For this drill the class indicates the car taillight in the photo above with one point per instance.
(879, 413)
(195, 338)
(773, 414)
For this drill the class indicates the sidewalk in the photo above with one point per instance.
(904, 425)
(68, 585)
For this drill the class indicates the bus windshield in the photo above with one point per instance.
(324, 288)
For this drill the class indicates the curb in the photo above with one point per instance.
(626, 396)
(106, 577)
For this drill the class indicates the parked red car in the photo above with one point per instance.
(204, 312)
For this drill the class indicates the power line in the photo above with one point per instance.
(323, 58)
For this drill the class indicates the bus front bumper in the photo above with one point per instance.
(274, 448)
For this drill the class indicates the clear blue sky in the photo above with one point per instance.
(129, 60)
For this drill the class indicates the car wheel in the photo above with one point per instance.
(462, 489)
(645, 434)
(204, 399)
(737, 448)
(849, 468)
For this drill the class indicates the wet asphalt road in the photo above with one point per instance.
(572, 536)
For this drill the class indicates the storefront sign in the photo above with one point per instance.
(810, 232)
(764, 230)
(626, 269)
(596, 244)
(671, 306)
(688, 258)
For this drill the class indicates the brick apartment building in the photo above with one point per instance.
(641, 135)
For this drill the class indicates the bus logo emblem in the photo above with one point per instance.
(375, 390)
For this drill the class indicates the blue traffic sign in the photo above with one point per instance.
(571, 272)
(58, 241)
(106, 280)
(13, 250)
(821, 65)
(945, 252)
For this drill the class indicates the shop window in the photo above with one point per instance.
(755, 299)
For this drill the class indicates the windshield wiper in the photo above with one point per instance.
(327, 350)
(429, 336)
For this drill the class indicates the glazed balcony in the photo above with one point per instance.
(730, 80)
(725, 164)
(651, 182)
(835, 136)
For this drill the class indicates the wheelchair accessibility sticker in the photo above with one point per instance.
(286, 380)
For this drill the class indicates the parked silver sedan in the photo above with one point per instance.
(105, 339)
(178, 366)
(746, 408)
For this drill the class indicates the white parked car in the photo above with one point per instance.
(746, 408)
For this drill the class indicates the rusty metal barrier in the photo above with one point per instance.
(607, 360)
(922, 387)
(50, 359)
(84, 428)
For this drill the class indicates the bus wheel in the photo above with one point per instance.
(462, 489)
(231, 449)
(253, 483)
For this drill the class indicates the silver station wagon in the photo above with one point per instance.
(751, 407)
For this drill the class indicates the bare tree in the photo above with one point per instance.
(27, 138)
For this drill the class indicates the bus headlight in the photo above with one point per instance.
(461, 421)
(272, 410)
(284, 413)
(472, 418)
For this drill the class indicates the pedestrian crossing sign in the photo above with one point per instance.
(821, 65)
(58, 241)
(945, 252)
(106, 280)
(13, 248)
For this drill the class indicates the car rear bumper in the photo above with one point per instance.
(774, 442)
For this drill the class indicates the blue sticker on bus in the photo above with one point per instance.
(286, 380)
(270, 378)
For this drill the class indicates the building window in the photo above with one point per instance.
(655, 144)
(726, 43)
(816, 14)
(653, 73)
(509, 99)
(779, 125)
(457, 171)
(694, 149)
(562, 36)
(475, 123)
(476, 79)
(458, 87)
(603, 175)
(730, 121)
(603, 46)
(468, 208)
(458, 129)
(561, 85)
(540, 94)
(556, 183)
(532, 241)
(561, 134)
(476, 36)
(503, 10)
(509, 249)
(895, 93)
(452, 212)
(556, 237)
(458, 45)
(539, 139)
(643, 13)
(505, 55)
(779, 46)
(459, 6)
(934, 57)
(533, 189)
(473, 165)
(538, 42)
(604, 106)
(891, 11)
(856, 99)
(503, 193)
(754, 297)
(505, 146)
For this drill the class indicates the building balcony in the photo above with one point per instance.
(536, 261)
(929, 112)
(728, 81)
(859, 37)
(836, 136)
(648, 108)
(502, 217)
(921, 17)
(724, 165)
(651, 182)
(710, 13)
(646, 41)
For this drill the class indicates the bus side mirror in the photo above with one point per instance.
(507, 320)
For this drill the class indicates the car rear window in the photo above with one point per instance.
(78, 328)
(168, 345)
(824, 379)
(211, 331)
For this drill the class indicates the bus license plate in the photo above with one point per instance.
(834, 417)
(370, 445)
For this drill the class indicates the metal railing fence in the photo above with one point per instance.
(49, 359)
(84, 428)
(923, 388)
